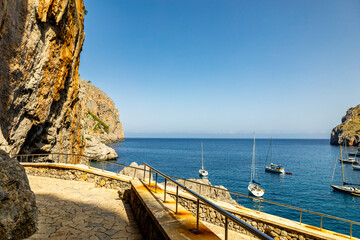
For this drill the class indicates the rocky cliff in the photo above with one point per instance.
(41, 109)
(100, 121)
(349, 129)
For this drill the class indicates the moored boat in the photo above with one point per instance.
(275, 168)
(356, 166)
(202, 172)
(346, 187)
(254, 187)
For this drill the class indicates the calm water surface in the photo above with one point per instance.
(228, 162)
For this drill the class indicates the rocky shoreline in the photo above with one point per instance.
(349, 130)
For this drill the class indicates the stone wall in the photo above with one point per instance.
(77, 175)
(208, 214)
(145, 221)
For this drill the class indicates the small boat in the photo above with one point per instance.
(352, 190)
(290, 173)
(202, 172)
(356, 166)
(254, 187)
(275, 168)
(346, 187)
(357, 154)
(348, 156)
(347, 160)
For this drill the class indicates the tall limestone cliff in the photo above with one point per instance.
(40, 106)
(349, 129)
(100, 121)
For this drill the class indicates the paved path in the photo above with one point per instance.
(77, 210)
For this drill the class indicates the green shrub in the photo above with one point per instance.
(106, 127)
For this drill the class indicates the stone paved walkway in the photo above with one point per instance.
(77, 210)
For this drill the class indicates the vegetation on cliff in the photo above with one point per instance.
(106, 127)
(349, 130)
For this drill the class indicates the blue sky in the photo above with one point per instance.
(287, 69)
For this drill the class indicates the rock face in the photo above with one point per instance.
(40, 45)
(99, 121)
(41, 109)
(18, 211)
(348, 130)
(100, 117)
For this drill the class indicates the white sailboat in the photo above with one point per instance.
(202, 172)
(275, 168)
(254, 187)
(346, 187)
(356, 166)
(348, 158)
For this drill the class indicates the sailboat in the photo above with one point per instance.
(254, 187)
(348, 158)
(275, 168)
(346, 187)
(356, 166)
(202, 172)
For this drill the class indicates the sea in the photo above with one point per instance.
(228, 161)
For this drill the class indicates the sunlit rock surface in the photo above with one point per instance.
(18, 211)
(349, 129)
(41, 107)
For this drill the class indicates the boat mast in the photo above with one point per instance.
(270, 150)
(202, 157)
(342, 165)
(253, 162)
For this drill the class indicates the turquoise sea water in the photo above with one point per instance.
(228, 162)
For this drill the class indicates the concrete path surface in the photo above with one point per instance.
(78, 210)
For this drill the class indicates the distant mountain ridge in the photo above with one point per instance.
(349, 129)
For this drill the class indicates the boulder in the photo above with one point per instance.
(212, 193)
(138, 173)
(18, 211)
(96, 149)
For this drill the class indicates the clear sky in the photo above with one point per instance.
(204, 68)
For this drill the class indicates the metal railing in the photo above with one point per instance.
(228, 216)
(301, 211)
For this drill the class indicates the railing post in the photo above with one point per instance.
(144, 171)
(177, 198)
(259, 205)
(300, 216)
(165, 190)
(150, 177)
(197, 215)
(117, 172)
(103, 165)
(156, 175)
(237, 200)
(321, 222)
(134, 173)
(226, 228)
(351, 230)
